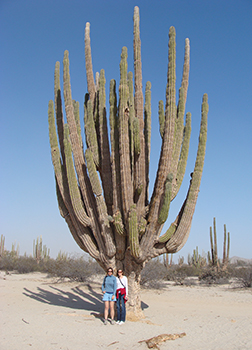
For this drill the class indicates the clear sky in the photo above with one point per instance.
(34, 35)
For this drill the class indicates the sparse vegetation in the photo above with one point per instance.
(154, 275)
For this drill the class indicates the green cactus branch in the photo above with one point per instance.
(139, 171)
(90, 132)
(147, 135)
(161, 116)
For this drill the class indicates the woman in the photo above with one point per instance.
(109, 292)
(121, 296)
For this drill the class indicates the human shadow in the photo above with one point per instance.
(77, 299)
(74, 299)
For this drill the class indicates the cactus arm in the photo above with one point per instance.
(89, 66)
(94, 179)
(153, 228)
(161, 117)
(147, 135)
(107, 233)
(168, 137)
(65, 214)
(81, 234)
(114, 141)
(80, 166)
(76, 107)
(72, 182)
(55, 153)
(182, 99)
(139, 173)
(131, 119)
(163, 214)
(133, 232)
(63, 196)
(105, 165)
(101, 206)
(180, 172)
(178, 132)
(136, 137)
(180, 236)
(212, 246)
(168, 234)
(228, 248)
(90, 132)
(125, 171)
(119, 232)
(58, 108)
(186, 68)
(215, 241)
(78, 155)
(224, 245)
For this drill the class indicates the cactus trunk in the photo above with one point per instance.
(103, 190)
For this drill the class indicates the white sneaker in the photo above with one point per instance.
(118, 322)
(121, 322)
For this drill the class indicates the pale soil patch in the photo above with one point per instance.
(37, 313)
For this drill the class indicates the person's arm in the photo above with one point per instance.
(115, 286)
(126, 285)
(103, 285)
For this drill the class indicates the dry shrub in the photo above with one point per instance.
(153, 274)
(243, 275)
(178, 274)
(74, 268)
(211, 275)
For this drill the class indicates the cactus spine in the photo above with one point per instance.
(104, 195)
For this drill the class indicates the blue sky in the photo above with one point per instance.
(34, 35)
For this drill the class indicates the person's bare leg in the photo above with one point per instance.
(106, 308)
(112, 309)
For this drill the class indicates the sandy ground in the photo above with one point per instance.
(37, 313)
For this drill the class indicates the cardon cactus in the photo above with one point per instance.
(103, 192)
(213, 257)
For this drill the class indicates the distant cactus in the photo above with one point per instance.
(166, 261)
(213, 257)
(40, 252)
(2, 245)
(103, 192)
(196, 259)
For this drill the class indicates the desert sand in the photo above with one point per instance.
(38, 313)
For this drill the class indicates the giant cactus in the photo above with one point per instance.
(103, 192)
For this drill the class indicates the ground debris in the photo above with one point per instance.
(153, 342)
(114, 342)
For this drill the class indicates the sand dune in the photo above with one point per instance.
(37, 313)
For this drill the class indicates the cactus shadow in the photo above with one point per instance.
(75, 299)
